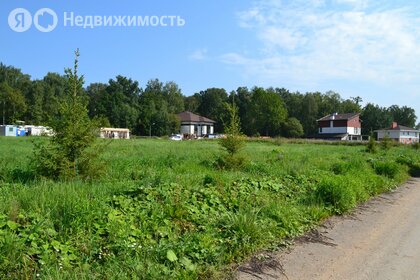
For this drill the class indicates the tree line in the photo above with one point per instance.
(152, 110)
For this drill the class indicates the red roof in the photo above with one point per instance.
(191, 118)
(399, 128)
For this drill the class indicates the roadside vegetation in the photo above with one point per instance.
(163, 211)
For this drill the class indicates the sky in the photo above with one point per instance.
(354, 47)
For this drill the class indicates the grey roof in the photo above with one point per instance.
(399, 128)
(338, 117)
(191, 117)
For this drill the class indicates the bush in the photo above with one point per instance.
(386, 143)
(415, 170)
(416, 146)
(293, 128)
(347, 166)
(230, 161)
(387, 168)
(372, 146)
(335, 192)
(232, 143)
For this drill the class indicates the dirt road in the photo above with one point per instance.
(380, 240)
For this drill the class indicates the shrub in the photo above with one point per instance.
(416, 146)
(230, 161)
(293, 128)
(415, 169)
(372, 146)
(334, 192)
(387, 168)
(386, 143)
(347, 166)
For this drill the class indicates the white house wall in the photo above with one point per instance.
(201, 129)
(399, 135)
(204, 130)
(187, 129)
(354, 130)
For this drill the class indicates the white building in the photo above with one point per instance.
(8, 130)
(192, 124)
(114, 133)
(399, 133)
(37, 130)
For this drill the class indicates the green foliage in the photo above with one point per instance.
(332, 192)
(372, 146)
(416, 146)
(212, 103)
(263, 111)
(67, 155)
(403, 115)
(231, 161)
(411, 163)
(161, 212)
(386, 143)
(158, 105)
(375, 117)
(268, 111)
(292, 128)
(233, 143)
(386, 168)
(415, 169)
(13, 104)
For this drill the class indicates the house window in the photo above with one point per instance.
(10, 129)
(320, 130)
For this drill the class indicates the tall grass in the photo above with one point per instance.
(161, 210)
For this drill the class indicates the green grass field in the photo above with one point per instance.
(161, 210)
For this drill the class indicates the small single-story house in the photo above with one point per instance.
(192, 124)
(340, 127)
(115, 133)
(8, 130)
(399, 133)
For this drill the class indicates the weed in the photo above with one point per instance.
(387, 168)
(159, 197)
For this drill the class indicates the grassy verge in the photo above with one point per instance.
(162, 211)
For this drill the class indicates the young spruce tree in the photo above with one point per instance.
(233, 143)
(70, 152)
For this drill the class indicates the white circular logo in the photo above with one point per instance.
(20, 20)
(45, 20)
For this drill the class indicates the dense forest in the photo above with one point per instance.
(123, 103)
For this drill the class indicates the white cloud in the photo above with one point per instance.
(200, 54)
(309, 42)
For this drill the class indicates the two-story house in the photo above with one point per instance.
(340, 127)
(399, 133)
